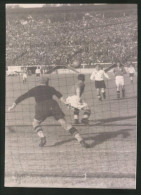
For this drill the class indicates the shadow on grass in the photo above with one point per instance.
(114, 119)
(99, 139)
(99, 122)
(132, 97)
(105, 136)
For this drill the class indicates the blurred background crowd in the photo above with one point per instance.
(61, 38)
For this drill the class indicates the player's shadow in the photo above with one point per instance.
(101, 122)
(105, 136)
(132, 97)
(99, 139)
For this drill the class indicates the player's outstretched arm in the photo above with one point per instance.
(106, 75)
(20, 99)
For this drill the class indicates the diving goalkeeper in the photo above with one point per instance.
(45, 107)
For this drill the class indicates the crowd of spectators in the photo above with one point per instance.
(37, 40)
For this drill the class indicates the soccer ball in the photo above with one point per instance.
(76, 64)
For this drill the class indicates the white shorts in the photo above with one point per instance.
(119, 80)
(24, 76)
(74, 102)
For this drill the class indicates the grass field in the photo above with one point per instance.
(110, 162)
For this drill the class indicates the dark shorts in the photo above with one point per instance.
(100, 84)
(48, 108)
(131, 74)
(37, 74)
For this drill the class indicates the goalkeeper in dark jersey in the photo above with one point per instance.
(45, 107)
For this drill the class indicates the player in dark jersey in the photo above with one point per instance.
(45, 107)
(77, 103)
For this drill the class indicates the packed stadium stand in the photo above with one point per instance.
(59, 37)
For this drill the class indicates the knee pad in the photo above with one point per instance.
(76, 111)
(36, 125)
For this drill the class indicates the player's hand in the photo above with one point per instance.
(12, 107)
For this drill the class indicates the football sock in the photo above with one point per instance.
(99, 97)
(123, 93)
(104, 95)
(78, 137)
(118, 94)
(39, 131)
(76, 121)
(85, 121)
(73, 131)
(76, 116)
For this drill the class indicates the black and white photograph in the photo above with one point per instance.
(71, 96)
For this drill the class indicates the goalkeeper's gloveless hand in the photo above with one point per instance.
(12, 107)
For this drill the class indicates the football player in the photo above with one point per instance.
(38, 72)
(24, 76)
(98, 75)
(77, 103)
(45, 107)
(119, 72)
(132, 72)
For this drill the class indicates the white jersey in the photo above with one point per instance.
(98, 75)
(131, 70)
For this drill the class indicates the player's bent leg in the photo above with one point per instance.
(86, 115)
(37, 127)
(73, 131)
(76, 116)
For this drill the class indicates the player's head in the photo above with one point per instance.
(44, 80)
(81, 77)
(98, 67)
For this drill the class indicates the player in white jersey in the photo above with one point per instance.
(98, 76)
(119, 72)
(24, 76)
(132, 72)
(76, 102)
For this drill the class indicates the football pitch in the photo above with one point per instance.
(110, 162)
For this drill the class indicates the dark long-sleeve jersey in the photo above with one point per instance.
(40, 93)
